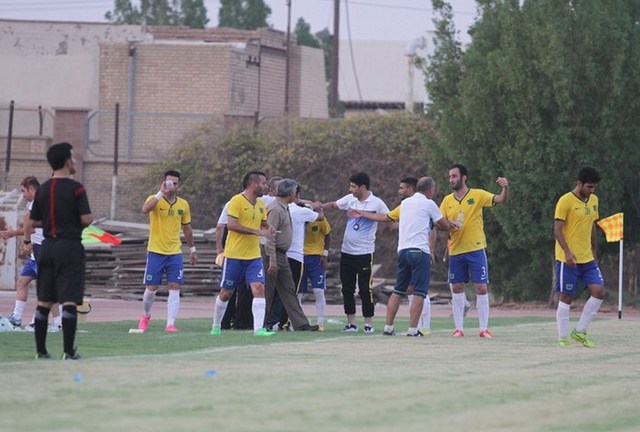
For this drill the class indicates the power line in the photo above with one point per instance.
(396, 6)
(353, 63)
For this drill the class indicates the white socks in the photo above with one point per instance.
(258, 307)
(457, 307)
(219, 309)
(321, 304)
(591, 308)
(147, 301)
(482, 305)
(173, 307)
(425, 317)
(562, 319)
(18, 309)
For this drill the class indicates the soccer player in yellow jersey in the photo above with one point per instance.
(246, 222)
(467, 255)
(317, 240)
(168, 214)
(575, 233)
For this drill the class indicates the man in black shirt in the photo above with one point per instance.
(61, 208)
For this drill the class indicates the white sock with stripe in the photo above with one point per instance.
(18, 309)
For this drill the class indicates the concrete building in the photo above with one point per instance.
(66, 78)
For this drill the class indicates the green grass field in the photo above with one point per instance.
(519, 381)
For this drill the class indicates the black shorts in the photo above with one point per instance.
(61, 271)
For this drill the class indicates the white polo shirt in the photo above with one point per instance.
(299, 217)
(416, 215)
(360, 233)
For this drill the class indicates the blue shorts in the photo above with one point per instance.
(158, 264)
(30, 269)
(568, 278)
(413, 268)
(313, 272)
(469, 266)
(237, 271)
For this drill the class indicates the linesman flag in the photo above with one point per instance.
(613, 227)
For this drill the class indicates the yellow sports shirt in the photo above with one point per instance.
(245, 246)
(394, 214)
(314, 234)
(468, 211)
(165, 224)
(578, 218)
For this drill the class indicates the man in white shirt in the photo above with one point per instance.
(358, 246)
(415, 215)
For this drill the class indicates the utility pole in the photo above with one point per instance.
(287, 61)
(335, 47)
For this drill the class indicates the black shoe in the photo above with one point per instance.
(74, 356)
(43, 356)
(417, 334)
(387, 333)
(308, 327)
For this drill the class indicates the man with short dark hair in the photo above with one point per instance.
(247, 223)
(168, 215)
(467, 251)
(575, 233)
(358, 246)
(32, 244)
(61, 208)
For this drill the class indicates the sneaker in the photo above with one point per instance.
(416, 334)
(368, 328)
(144, 322)
(582, 338)
(215, 331)
(72, 356)
(264, 332)
(43, 356)
(564, 342)
(350, 328)
(425, 332)
(320, 327)
(53, 328)
(388, 333)
(458, 333)
(16, 322)
(171, 329)
(486, 334)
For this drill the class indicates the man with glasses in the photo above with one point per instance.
(168, 213)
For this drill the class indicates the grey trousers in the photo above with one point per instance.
(283, 282)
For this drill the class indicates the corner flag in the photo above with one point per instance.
(613, 227)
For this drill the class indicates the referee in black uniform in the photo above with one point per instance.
(61, 208)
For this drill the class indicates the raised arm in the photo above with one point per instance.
(503, 197)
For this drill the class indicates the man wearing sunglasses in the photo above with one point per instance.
(168, 214)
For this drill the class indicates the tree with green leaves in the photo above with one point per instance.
(243, 14)
(304, 35)
(544, 88)
(189, 13)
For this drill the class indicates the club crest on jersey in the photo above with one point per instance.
(315, 228)
(471, 201)
(180, 212)
(229, 282)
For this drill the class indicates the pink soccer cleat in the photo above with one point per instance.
(144, 322)
(171, 329)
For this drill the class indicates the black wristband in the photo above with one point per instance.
(26, 242)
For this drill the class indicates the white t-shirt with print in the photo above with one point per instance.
(360, 233)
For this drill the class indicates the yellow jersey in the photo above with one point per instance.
(394, 214)
(314, 235)
(578, 217)
(245, 246)
(165, 224)
(468, 212)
